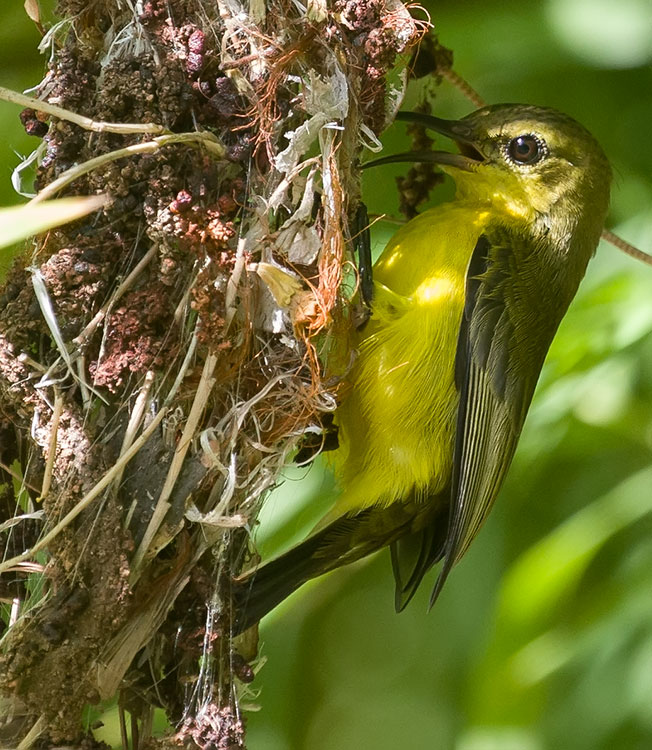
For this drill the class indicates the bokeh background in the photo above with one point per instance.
(542, 637)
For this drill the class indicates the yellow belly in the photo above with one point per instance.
(396, 426)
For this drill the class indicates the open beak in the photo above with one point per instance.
(457, 130)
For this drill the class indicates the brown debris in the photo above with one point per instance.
(139, 337)
(154, 384)
(216, 729)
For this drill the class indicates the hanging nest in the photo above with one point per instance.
(161, 360)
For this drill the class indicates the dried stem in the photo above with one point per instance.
(146, 128)
(89, 497)
(89, 330)
(202, 393)
(52, 447)
(463, 86)
(149, 147)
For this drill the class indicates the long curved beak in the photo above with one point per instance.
(456, 130)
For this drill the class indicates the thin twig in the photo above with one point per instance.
(147, 128)
(182, 308)
(246, 59)
(52, 447)
(190, 353)
(204, 388)
(123, 728)
(89, 330)
(135, 420)
(17, 476)
(465, 88)
(135, 740)
(149, 147)
(27, 567)
(25, 359)
(81, 375)
(28, 741)
(233, 283)
(89, 497)
(623, 245)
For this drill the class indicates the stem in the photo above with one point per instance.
(85, 122)
(628, 249)
(149, 147)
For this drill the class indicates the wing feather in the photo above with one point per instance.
(495, 390)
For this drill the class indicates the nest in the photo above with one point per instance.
(162, 360)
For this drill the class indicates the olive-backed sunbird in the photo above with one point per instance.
(467, 298)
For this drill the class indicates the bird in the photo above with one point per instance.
(465, 302)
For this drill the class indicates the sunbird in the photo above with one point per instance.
(467, 298)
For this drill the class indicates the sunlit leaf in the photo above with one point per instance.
(20, 222)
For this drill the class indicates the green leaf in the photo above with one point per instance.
(20, 222)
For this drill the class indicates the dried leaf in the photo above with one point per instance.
(33, 11)
(282, 284)
(328, 104)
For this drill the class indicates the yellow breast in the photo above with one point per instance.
(396, 426)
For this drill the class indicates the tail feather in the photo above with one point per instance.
(260, 591)
(416, 552)
(412, 557)
(343, 541)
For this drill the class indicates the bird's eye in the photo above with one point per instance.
(526, 149)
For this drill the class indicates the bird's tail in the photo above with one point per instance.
(412, 557)
(343, 541)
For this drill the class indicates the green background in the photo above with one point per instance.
(542, 637)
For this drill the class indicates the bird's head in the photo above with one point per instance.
(530, 162)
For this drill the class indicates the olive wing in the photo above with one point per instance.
(505, 332)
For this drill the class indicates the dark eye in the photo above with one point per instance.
(526, 149)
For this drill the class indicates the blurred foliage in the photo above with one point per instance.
(542, 637)
(21, 66)
(23, 221)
